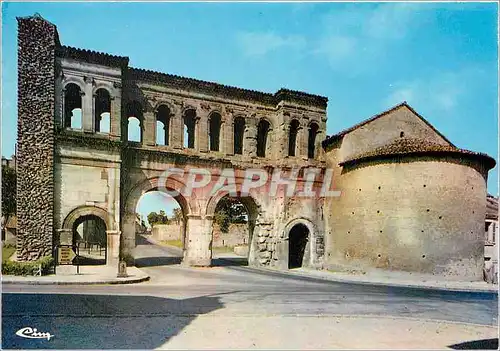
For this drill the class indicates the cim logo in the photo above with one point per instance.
(33, 333)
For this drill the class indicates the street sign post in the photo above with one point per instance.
(66, 254)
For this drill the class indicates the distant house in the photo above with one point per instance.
(491, 239)
(9, 234)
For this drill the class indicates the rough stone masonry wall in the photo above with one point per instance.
(37, 40)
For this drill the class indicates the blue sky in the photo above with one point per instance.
(365, 57)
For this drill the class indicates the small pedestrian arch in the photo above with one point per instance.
(83, 211)
(300, 236)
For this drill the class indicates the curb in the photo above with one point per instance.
(95, 282)
(388, 284)
(138, 277)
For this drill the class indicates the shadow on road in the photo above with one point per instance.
(485, 344)
(79, 321)
(88, 261)
(229, 261)
(157, 261)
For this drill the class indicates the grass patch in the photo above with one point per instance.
(7, 251)
(223, 249)
(176, 243)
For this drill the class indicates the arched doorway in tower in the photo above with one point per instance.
(160, 228)
(89, 236)
(232, 231)
(298, 238)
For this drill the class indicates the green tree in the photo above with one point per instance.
(177, 214)
(8, 191)
(9, 182)
(152, 218)
(163, 217)
(155, 218)
(230, 210)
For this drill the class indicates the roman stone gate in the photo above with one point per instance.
(95, 134)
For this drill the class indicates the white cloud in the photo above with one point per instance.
(440, 91)
(261, 43)
(358, 38)
(390, 21)
(336, 47)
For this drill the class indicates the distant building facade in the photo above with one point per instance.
(491, 240)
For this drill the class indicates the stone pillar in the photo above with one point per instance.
(116, 115)
(112, 247)
(149, 129)
(201, 131)
(250, 139)
(227, 139)
(198, 241)
(128, 233)
(176, 130)
(88, 107)
(302, 141)
(282, 140)
(318, 149)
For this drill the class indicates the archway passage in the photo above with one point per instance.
(298, 237)
(89, 236)
(232, 231)
(160, 230)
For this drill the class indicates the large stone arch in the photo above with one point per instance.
(253, 209)
(189, 206)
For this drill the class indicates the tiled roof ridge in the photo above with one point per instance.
(255, 94)
(408, 146)
(70, 51)
(194, 80)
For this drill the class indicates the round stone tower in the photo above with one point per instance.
(412, 205)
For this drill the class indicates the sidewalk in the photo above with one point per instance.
(66, 275)
(395, 279)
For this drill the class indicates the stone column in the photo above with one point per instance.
(282, 140)
(116, 113)
(302, 141)
(201, 131)
(198, 241)
(149, 129)
(176, 130)
(250, 138)
(227, 139)
(88, 107)
(113, 247)
(128, 233)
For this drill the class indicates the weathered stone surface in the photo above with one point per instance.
(37, 40)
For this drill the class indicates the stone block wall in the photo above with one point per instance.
(236, 235)
(37, 41)
(171, 231)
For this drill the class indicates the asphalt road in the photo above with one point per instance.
(146, 315)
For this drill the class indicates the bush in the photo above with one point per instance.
(29, 267)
